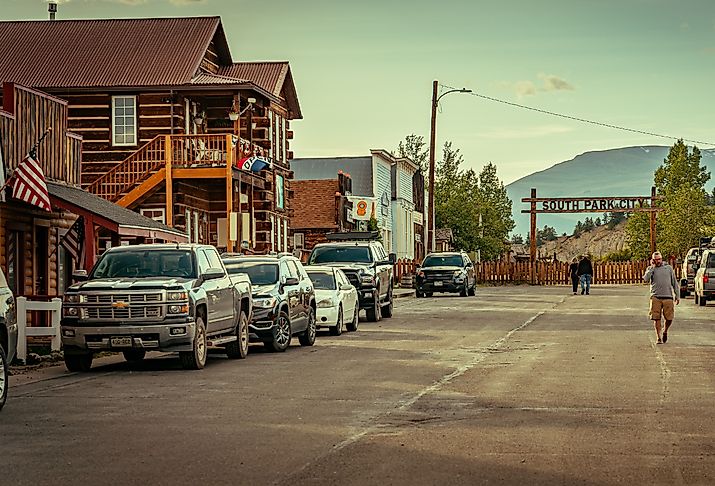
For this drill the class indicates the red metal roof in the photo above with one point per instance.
(105, 53)
(269, 75)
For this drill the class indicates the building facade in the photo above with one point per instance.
(172, 133)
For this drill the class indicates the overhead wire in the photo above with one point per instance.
(582, 120)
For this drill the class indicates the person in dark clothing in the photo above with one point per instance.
(573, 271)
(585, 271)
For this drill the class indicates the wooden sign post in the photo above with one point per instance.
(620, 204)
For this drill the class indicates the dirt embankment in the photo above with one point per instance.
(598, 242)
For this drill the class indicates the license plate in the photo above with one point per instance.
(121, 342)
(438, 284)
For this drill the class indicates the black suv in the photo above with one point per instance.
(446, 272)
(8, 335)
(283, 299)
(366, 264)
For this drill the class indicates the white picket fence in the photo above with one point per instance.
(23, 332)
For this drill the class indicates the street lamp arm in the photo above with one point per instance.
(463, 90)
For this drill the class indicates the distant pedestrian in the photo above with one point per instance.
(585, 272)
(664, 289)
(573, 271)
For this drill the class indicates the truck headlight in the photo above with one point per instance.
(74, 298)
(179, 309)
(367, 280)
(174, 296)
(71, 311)
(264, 303)
(325, 303)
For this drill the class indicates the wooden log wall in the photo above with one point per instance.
(90, 115)
(23, 123)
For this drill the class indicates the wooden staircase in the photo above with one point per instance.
(143, 169)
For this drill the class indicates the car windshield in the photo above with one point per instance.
(145, 264)
(322, 280)
(340, 254)
(260, 273)
(443, 261)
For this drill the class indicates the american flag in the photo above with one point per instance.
(29, 183)
(73, 241)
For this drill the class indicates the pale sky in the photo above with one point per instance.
(364, 69)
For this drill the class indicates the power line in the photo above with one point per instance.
(582, 120)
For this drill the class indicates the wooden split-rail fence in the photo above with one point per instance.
(547, 273)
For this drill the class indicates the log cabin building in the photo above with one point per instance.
(31, 257)
(167, 118)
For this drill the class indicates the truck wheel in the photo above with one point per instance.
(419, 294)
(196, 358)
(374, 314)
(473, 291)
(386, 310)
(337, 330)
(239, 349)
(308, 336)
(465, 291)
(3, 377)
(282, 334)
(353, 325)
(78, 362)
(134, 355)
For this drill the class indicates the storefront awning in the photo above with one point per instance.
(109, 215)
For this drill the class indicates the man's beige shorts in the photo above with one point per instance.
(666, 307)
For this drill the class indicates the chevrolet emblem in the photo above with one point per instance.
(120, 305)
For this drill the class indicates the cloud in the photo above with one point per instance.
(549, 82)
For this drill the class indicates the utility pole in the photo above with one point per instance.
(430, 209)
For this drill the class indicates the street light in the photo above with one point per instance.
(435, 102)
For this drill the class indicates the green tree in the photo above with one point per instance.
(414, 147)
(517, 239)
(686, 216)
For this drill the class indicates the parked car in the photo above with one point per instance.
(336, 298)
(704, 281)
(8, 336)
(446, 272)
(687, 282)
(283, 299)
(367, 266)
(164, 297)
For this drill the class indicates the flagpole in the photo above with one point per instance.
(31, 151)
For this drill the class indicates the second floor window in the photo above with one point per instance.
(124, 120)
(280, 193)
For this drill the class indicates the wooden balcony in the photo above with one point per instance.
(175, 156)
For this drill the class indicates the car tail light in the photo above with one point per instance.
(705, 279)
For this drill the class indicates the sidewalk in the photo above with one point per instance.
(399, 293)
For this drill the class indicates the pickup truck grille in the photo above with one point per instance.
(128, 298)
(353, 279)
(138, 312)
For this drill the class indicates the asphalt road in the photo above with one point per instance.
(518, 385)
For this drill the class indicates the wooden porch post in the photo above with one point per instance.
(90, 248)
(168, 155)
(532, 239)
(229, 193)
(652, 220)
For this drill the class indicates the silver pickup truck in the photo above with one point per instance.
(156, 297)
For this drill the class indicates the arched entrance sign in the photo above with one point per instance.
(619, 204)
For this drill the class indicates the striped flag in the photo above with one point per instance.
(29, 183)
(73, 241)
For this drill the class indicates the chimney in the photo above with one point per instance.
(52, 8)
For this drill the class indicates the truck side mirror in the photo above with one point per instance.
(79, 275)
(393, 258)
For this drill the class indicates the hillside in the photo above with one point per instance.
(598, 242)
(624, 171)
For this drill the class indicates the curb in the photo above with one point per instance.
(404, 295)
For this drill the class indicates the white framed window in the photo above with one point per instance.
(280, 191)
(124, 120)
(299, 240)
(285, 235)
(157, 214)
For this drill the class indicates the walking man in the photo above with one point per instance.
(573, 271)
(664, 289)
(585, 271)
